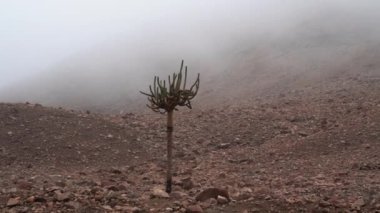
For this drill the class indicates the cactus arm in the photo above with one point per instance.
(181, 66)
(149, 95)
(166, 97)
(184, 82)
(196, 85)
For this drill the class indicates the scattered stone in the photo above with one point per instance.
(24, 185)
(24, 209)
(244, 194)
(12, 190)
(169, 209)
(62, 196)
(107, 207)
(377, 206)
(39, 199)
(31, 199)
(159, 193)
(73, 204)
(187, 183)
(50, 204)
(222, 200)
(224, 145)
(54, 188)
(60, 184)
(222, 175)
(113, 188)
(13, 202)
(112, 195)
(116, 171)
(358, 204)
(332, 191)
(285, 131)
(194, 209)
(178, 195)
(99, 196)
(367, 146)
(246, 190)
(302, 134)
(209, 203)
(324, 203)
(135, 210)
(212, 193)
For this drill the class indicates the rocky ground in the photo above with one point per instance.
(311, 150)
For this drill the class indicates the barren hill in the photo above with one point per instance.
(313, 149)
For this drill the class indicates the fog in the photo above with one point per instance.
(98, 54)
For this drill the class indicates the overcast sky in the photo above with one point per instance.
(35, 35)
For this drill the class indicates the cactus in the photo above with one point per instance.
(165, 98)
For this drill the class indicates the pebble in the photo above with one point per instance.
(107, 207)
(224, 145)
(62, 196)
(222, 200)
(159, 193)
(13, 202)
(187, 183)
(31, 199)
(194, 209)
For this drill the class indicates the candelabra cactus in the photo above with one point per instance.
(165, 98)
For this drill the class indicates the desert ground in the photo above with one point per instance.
(305, 149)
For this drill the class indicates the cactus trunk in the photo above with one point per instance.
(169, 151)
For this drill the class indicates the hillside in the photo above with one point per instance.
(312, 149)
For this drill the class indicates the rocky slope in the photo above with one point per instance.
(310, 149)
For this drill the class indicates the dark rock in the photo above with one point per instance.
(324, 203)
(302, 134)
(60, 183)
(113, 188)
(116, 171)
(39, 199)
(187, 183)
(24, 185)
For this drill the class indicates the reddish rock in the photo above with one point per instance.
(24, 185)
(194, 209)
(13, 202)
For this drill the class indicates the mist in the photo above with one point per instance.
(97, 55)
